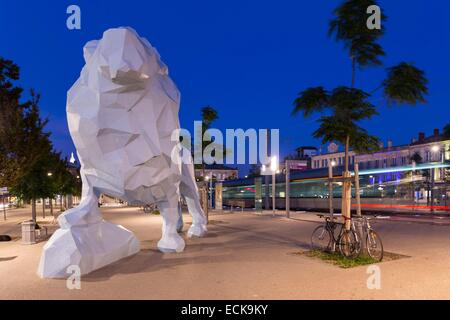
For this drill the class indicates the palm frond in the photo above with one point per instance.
(311, 100)
(349, 25)
(405, 84)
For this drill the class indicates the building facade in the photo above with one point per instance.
(421, 150)
(216, 172)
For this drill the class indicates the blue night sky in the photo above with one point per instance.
(248, 59)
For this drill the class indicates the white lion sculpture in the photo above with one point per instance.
(122, 113)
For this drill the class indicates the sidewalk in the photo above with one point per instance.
(384, 216)
(244, 256)
(14, 218)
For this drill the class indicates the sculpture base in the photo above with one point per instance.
(89, 247)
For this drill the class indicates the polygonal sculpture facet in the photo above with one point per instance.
(121, 113)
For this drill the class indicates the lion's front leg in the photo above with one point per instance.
(85, 241)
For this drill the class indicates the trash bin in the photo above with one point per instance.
(28, 232)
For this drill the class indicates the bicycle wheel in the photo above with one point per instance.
(320, 239)
(374, 246)
(349, 244)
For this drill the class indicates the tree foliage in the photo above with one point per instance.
(343, 108)
(405, 84)
(447, 132)
(347, 106)
(29, 165)
(349, 25)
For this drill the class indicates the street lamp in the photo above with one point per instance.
(435, 148)
(333, 163)
(49, 174)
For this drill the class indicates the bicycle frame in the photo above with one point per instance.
(331, 226)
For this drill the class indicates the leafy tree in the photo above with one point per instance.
(65, 179)
(35, 152)
(11, 123)
(26, 152)
(35, 184)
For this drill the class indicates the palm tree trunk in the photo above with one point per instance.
(347, 147)
(33, 209)
(43, 208)
(347, 185)
(346, 188)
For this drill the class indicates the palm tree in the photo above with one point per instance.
(209, 115)
(404, 84)
(416, 157)
(348, 106)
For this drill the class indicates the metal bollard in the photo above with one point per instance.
(28, 232)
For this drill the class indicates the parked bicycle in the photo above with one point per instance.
(332, 235)
(149, 208)
(374, 246)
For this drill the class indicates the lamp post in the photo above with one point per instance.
(49, 174)
(287, 168)
(435, 150)
(273, 170)
(330, 188)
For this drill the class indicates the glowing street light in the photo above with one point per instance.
(333, 163)
(273, 164)
(49, 174)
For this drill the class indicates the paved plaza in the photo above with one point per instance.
(244, 256)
